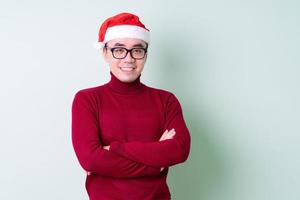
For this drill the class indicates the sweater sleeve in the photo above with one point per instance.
(163, 153)
(87, 145)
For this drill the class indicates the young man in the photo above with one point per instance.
(126, 134)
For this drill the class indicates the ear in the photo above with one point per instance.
(105, 54)
(145, 59)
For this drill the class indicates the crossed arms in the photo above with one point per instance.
(130, 159)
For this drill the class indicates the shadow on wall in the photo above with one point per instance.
(204, 171)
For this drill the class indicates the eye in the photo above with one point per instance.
(138, 51)
(119, 50)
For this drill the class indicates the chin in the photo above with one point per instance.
(125, 78)
(128, 80)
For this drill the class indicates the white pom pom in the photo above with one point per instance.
(98, 45)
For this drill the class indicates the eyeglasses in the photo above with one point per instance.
(121, 52)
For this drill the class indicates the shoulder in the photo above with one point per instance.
(166, 99)
(158, 91)
(90, 95)
(165, 95)
(91, 91)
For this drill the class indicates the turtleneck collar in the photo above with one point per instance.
(125, 88)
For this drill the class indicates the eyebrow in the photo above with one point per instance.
(119, 45)
(138, 45)
(122, 45)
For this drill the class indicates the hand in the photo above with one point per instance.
(106, 147)
(168, 135)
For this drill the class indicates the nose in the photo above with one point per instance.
(128, 58)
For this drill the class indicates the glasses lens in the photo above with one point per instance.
(119, 52)
(138, 53)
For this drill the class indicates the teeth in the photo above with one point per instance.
(126, 68)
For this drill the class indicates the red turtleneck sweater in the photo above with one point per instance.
(130, 117)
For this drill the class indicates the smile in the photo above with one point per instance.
(127, 68)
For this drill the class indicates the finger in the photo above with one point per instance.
(163, 135)
(166, 132)
(171, 135)
(172, 130)
(162, 138)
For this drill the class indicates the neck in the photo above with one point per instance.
(123, 87)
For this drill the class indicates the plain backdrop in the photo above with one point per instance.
(234, 65)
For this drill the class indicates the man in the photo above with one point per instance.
(125, 134)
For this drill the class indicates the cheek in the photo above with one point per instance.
(113, 62)
(110, 60)
(141, 63)
(114, 65)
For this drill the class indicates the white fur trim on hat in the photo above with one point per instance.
(124, 31)
(127, 31)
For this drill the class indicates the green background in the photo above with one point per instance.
(234, 66)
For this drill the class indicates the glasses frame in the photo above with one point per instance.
(127, 50)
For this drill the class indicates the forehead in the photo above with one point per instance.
(127, 42)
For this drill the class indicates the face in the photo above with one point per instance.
(127, 69)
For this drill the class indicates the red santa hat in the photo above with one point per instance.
(123, 25)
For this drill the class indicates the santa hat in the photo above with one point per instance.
(123, 25)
